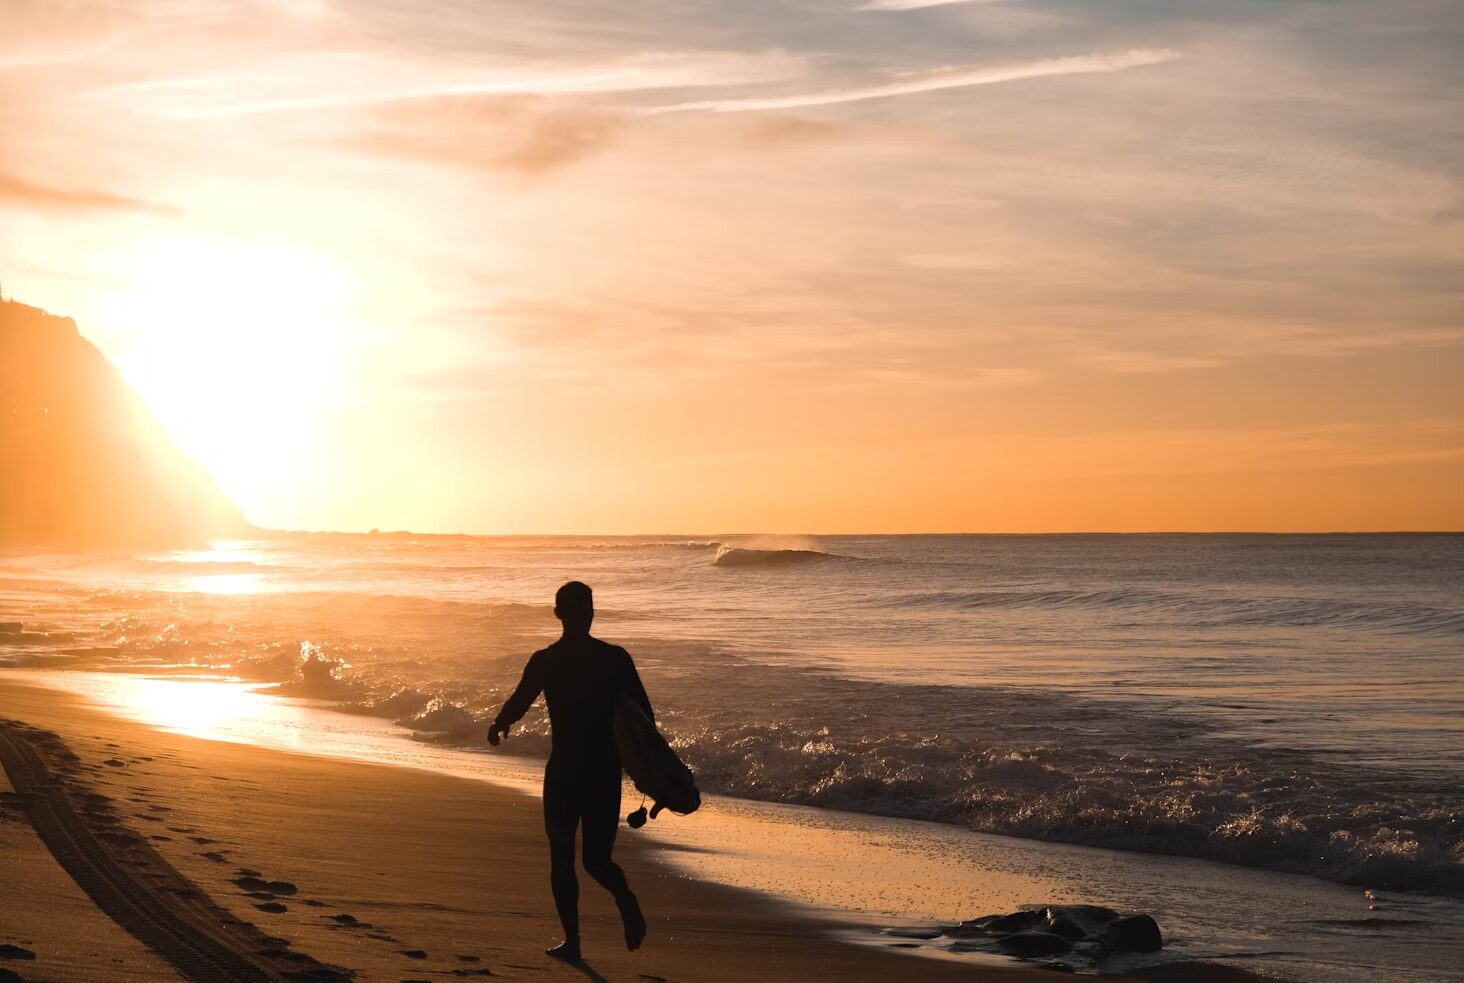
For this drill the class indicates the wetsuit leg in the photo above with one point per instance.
(601, 820)
(561, 816)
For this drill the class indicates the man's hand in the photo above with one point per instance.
(497, 732)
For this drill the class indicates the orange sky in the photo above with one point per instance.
(900, 266)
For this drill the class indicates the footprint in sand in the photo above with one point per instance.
(273, 907)
(253, 882)
(484, 971)
(347, 921)
(215, 856)
(202, 840)
(414, 953)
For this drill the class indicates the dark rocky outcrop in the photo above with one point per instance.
(86, 465)
(1066, 937)
(1032, 944)
(1136, 933)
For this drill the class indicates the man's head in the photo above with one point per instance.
(574, 604)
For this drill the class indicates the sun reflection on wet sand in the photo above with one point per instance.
(197, 707)
(212, 709)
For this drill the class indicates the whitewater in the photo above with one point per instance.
(1284, 702)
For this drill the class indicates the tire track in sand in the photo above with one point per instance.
(132, 883)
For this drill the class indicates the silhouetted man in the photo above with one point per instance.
(580, 677)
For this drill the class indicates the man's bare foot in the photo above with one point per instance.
(635, 922)
(568, 951)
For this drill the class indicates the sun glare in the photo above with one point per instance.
(199, 708)
(238, 347)
(227, 583)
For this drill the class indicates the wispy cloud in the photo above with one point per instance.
(523, 134)
(336, 80)
(918, 4)
(18, 189)
(10, 60)
(945, 78)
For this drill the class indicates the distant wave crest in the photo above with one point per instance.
(741, 556)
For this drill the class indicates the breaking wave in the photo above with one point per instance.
(1244, 810)
(741, 556)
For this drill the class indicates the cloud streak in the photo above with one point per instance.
(523, 134)
(42, 59)
(343, 80)
(945, 78)
(17, 189)
(896, 5)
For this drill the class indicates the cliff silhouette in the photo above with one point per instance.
(85, 463)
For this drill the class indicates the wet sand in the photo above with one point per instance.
(236, 862)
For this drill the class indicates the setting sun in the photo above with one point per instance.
(239, 347)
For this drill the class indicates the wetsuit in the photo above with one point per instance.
(580, 678)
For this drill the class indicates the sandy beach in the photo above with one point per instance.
(236, 862)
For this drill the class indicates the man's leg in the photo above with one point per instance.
(601, 819)
(561, 816)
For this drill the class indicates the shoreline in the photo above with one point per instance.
(387, 896)
(265, 810)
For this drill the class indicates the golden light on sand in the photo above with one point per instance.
(237, 346)
(195, 707)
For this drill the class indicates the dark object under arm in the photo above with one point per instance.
(636, 688)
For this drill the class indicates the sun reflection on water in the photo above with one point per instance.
(227, 583)
(220, 551)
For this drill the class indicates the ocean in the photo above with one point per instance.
(1287, 702)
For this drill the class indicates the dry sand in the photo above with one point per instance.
(235, 862)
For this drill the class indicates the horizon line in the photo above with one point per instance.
(713, 535)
